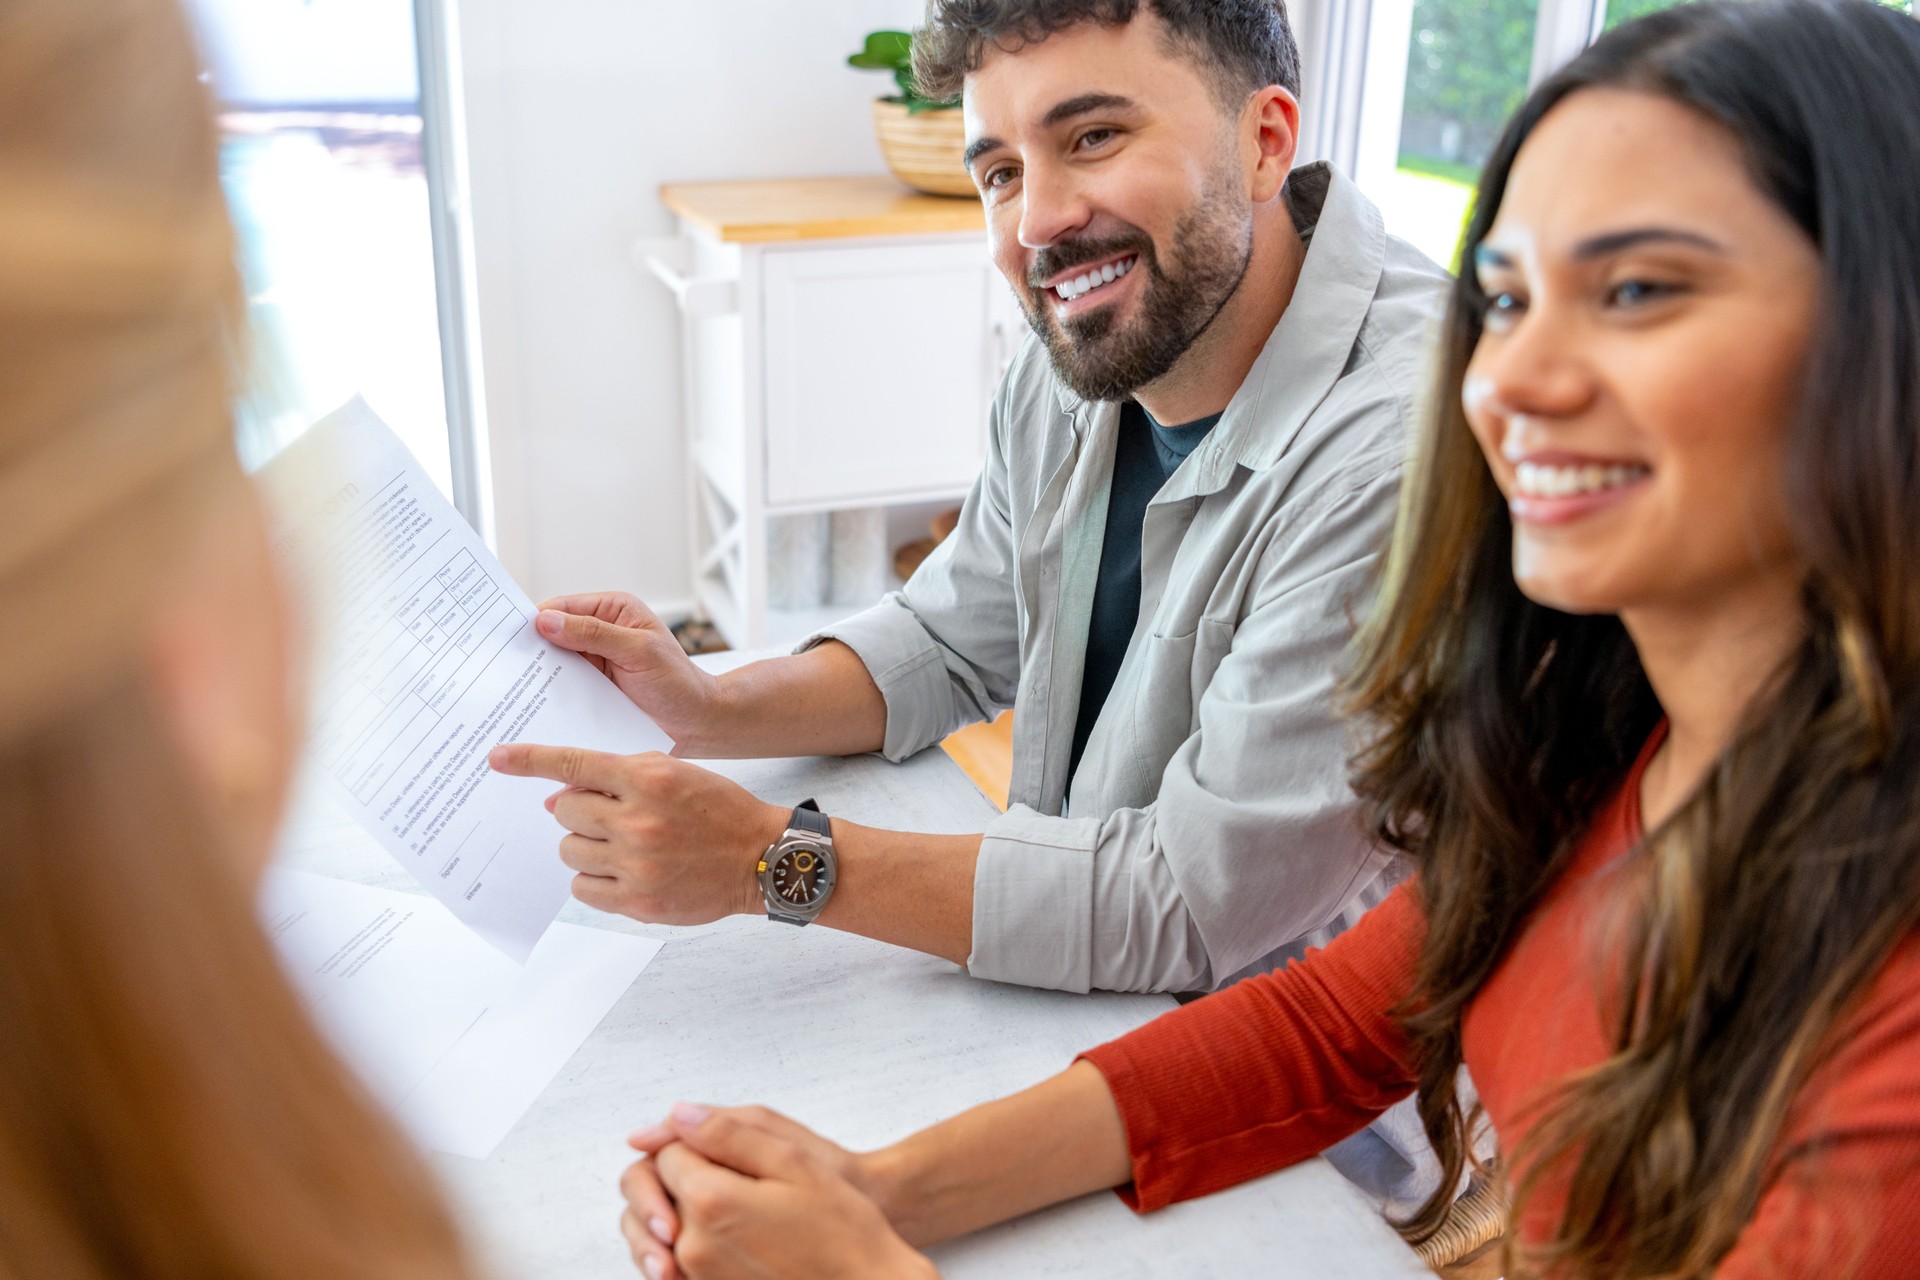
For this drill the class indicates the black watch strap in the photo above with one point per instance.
(807, 817)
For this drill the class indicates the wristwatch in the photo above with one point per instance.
(798, 871)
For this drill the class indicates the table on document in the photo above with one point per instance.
(865, 1043)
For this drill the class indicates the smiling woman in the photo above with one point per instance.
(1677, 481)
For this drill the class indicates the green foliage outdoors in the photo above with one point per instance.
(1468, 66)
(1619, 11)
(1451, 170)
(893, 51)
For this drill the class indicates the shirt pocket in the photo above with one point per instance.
(1174, 673)
(1161, 703)
(1213, 640)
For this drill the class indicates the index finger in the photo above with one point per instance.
(575, 766)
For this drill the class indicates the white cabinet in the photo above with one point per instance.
(830, 362)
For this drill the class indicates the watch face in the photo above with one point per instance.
(797, 876)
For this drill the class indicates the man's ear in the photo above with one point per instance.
(1272, 127)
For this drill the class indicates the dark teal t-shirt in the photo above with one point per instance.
(1145, 455)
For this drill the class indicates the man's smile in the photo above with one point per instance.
(1084, 287)
(1075, 281)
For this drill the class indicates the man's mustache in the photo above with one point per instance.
(1056, 258)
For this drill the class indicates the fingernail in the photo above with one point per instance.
(691, 1112)
(644, 1137)
(550, 621)
(661, 1231)
(651, 1265)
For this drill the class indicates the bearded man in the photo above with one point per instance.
(1193, 466)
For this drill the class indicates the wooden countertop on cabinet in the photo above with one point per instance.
(817, 209)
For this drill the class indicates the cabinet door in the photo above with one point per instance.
(879, 363)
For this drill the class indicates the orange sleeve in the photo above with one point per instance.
(1843, 1199)
(1271, 1070)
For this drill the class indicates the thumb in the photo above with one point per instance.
(584, 634)
(726, 1140)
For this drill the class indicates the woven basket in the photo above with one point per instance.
(1475, 1221)
(924, 150)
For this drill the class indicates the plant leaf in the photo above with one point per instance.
(885, 51)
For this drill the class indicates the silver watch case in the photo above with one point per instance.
(826, 872)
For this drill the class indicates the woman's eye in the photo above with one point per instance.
(1504, 307)
(1633, 293)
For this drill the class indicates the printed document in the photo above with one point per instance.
(456, 1040)
(427, 659)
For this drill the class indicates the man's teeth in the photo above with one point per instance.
(1536, 481)
(1092, 280)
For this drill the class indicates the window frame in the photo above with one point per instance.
(444, 153)
(1356, 72)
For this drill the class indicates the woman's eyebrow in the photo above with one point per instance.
(1617, 241)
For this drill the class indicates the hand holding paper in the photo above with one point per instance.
(428, 658)
(624, 639)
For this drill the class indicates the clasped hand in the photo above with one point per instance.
(745, 1192)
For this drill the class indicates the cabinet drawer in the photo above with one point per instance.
(879, 364)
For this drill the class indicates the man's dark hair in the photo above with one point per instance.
(1244, 45)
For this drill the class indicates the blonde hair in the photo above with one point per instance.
(166, 1107)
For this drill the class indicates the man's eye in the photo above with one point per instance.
(999, 177)
(1094, 137)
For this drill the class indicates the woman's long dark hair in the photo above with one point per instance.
(1779, 889)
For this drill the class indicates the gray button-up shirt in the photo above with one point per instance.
(1209, 829)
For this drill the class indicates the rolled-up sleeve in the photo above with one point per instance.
(945, 649)
(1253, 849)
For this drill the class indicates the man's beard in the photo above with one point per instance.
(1101, 359)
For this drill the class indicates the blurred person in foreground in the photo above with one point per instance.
(1643, 697)
(166, 1108)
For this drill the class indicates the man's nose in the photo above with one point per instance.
(1052, 207)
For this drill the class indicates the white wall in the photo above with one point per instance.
(577, 111)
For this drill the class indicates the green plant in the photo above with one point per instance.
(893, 51)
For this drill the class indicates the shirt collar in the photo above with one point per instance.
(1309, 349)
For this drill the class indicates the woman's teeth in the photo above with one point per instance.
(1532, 480)
(1071, 289)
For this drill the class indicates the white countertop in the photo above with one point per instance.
(864, 1042)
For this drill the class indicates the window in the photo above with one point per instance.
(324, 155)
(1416, 115)
(1468, 64)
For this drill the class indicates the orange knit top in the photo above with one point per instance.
(1279, 1067)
